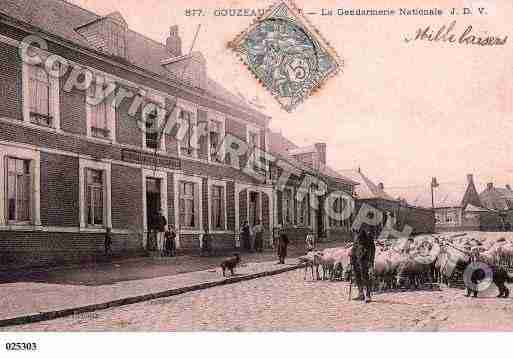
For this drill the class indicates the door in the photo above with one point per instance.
(153, 205)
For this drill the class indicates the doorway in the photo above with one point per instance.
(153, 205)
(254, 208)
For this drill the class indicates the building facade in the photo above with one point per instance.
(296, 214)
(485, 211)
(71, 167)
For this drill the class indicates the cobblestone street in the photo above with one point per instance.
(287, 303)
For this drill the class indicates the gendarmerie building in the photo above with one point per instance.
(70, 169)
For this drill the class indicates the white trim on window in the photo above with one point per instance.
(218, 117)
(104, 166)
(199, 182)
(110, 108)
(53, 93)
(212, 183)
(193, 109)
(35, 169)
(253, 129)
(159, 100)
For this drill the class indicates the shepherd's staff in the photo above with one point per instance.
(350, 282)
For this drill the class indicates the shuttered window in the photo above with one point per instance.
(187, 145)
(94, 197)
(18, 190)
(189, 209)
(218, 220)
(39, 96)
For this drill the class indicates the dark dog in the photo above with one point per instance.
(500, 277)
(230, 264)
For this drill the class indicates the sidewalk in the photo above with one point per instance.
(41, 295)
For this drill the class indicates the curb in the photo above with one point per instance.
(43, 316)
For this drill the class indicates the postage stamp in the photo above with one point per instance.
(287, 54)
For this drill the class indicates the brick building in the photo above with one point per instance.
(299, 217)
(70, 168)
(490, 210)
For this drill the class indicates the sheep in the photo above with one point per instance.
(312, 260)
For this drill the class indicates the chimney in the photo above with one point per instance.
(321, 150)
(489, 186)
(470, 178)
(381, 186)
(508, 187)
(174, 42)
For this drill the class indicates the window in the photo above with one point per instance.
(39, 97)
(338, 208)
(218, 207)
(215, 131)
(94, 197)
(188, 201)
(187, 145)
(304, 211)
(253, 140)
(152, 133)
(99, 124)
(288, 207)
(18, 190)
(509, 204)
(100, 114)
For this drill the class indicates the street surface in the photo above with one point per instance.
(286, 302)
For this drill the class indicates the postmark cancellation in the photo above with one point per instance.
(287, 54)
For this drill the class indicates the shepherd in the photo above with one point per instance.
(362, 259)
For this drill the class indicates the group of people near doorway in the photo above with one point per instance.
(165, 235)
(252, 238)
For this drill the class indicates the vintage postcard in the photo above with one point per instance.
(257, 166)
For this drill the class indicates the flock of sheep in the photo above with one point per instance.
(436, 258)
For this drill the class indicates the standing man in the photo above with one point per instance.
(245, 234)
(206, 243)
(160, 228)
(259, 241)
(362, 259)
(283, 242)
(108, 242)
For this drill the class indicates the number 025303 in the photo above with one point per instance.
(12, 346)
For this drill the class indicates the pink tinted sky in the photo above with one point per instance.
(403, 112)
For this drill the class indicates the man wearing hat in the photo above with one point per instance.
(362, 259)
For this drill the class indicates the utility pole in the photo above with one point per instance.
(434, 184)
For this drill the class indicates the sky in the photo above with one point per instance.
(402, 112)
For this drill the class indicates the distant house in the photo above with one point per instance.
(474, 211)
(501, 201)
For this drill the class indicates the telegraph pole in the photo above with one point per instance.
(434, 183)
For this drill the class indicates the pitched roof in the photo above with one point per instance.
(280, 146)
(61, 18)
(366, 189)
(471, 196)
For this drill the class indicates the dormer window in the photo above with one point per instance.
(116, 40)
(107, 34)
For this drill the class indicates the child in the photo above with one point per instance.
(170, 247)
(108, 242)
(310, 242)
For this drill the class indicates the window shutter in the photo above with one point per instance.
(279, 205)
(223, 211)
(197, 209)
